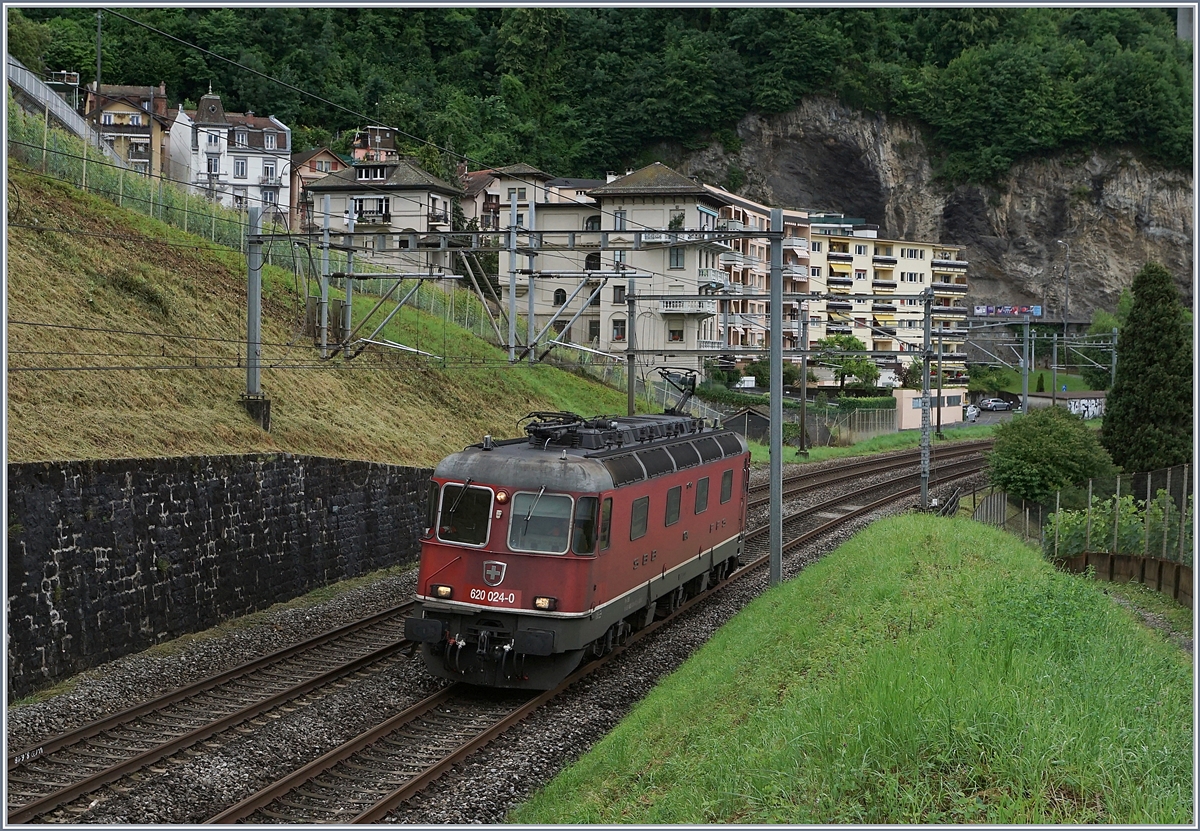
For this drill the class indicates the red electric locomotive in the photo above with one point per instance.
(541, 550)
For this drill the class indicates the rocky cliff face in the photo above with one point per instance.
(1112, 210)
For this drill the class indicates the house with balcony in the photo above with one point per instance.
(374, 144)
(389, 208)
(134, 122)
(240, 160)
(306, 168)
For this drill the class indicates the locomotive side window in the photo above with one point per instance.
(539, 522)
(605, 524)
(726, 486)
(641, 513)
(466, 514)
(431, 510)
(702, 495)
(673, 504)
(583, 535)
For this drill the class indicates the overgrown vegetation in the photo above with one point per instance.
(147, 325)
(927, 672)
(1150, 530)
(578, 91)
(1043, 451)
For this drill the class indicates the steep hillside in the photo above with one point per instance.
(1113, 208)
(146, 326)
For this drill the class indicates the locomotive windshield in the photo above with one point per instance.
(539, 522)
(465, 514)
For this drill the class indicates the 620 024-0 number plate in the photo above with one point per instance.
(494, 597)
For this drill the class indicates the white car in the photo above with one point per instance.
(994, 404)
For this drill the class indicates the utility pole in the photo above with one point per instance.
(803, 377)
(256, 404)
(631, 346)
(1025, 370)
(928, 337)
(529, 341)
(1114, 359)
(323, 303)
(939, 395)
(776, 390)
(347, 308)
(1054, 369)
(1066, 286)
(512, 275)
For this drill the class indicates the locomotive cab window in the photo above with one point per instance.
(466, 514)
(726, 486)
(605, 524)
(702, 495)
(641, 513)
(583, 534)
(539, 522)
(431, 504)
(673, 496)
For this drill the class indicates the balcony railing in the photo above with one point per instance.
(796, 243)
(876, 306)
(710, 344)
(838, 329)
(952, 288)
(712, 276)
(840, 257)
(957, 265)
(795, 271)
(731, 225)
(438, 216)
(688, 307)
(949, 311)
(839, 305)
(270, 181)
(883, 260)
(839, 280)
(373, 218)
(883, 284)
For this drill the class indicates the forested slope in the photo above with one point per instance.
(577, 91)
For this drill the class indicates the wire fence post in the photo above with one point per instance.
(1167, 514)
(1057, 520)
(1116, 515)
(1087, 539)
(1146, 544)
(1183, 513)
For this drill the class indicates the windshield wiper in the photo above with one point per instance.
(460, 496)
(534, 505)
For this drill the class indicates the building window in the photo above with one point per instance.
(816, 246)
(860, 249)
(618, 257)
(214, 164)
(618, 294)
(268, 197)
(141, 167)
(618, 329)
(322, 166)
(269, 141)
(239, 168)
(239, 139)
(239, 199)
(676, 221)
(913, 253)
(560, 297)
(675, 335)
(814, 270)
(268, 170)
(592, 261)
(860, 274)
(135, 120)
(677, 258)
(214, 138)
(618, 220)
(591, 223)
(883, 250)
(593, 331)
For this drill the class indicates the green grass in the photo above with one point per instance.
(928, 671)
(1075, 383)
(906, 440)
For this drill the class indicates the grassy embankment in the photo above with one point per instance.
(929, 671)
(124, 290)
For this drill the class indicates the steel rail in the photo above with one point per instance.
(66, 741)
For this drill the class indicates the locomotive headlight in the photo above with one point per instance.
(444, 592)
(545, 604)
(501, 497)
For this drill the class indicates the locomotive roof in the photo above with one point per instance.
(565, 452)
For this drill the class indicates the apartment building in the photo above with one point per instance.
(133, 121)
(238, 159)
(879, 282)
(306, 168)
(388, 206)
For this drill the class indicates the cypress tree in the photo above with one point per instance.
(1148, 414)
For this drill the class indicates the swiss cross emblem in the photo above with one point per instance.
(493, 572)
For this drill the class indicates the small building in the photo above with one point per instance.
(908, 407)
(308, 167)
(751, 422)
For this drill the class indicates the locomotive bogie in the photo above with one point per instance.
(538, 555)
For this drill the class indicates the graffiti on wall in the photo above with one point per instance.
(1086, 407)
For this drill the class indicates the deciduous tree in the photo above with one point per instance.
(1044, 450)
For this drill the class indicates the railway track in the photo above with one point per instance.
(369, 776)
(52, 773)
(808, 481)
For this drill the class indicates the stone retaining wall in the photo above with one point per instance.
(106, 558)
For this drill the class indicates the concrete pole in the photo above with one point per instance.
(927, 344)
(323, 304)
(347, 308)
(254, 306)
(1025, 369)
(631, 348)
(512, 275)
(1054, 370)
(1113, 371)
(776, 390)
(803, 377)
(939, 390)
(530, 322)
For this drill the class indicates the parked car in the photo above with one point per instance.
(994, 404)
